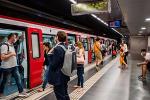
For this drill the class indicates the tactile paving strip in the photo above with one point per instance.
(78, 93)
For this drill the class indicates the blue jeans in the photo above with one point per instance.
(15, 73)
(80, 72)
(45, 81)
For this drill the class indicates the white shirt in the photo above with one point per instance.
(10, 62)
(147, 57)
(125, 48)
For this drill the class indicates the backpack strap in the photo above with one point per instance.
(63, 47)
(6, 45)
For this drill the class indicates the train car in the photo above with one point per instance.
(32, 56)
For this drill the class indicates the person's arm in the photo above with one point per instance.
(142, 63)
(56, 59)
(5, 54)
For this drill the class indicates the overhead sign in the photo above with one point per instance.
(91, 7)
(115, 24)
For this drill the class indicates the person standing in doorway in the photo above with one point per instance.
(9, 65)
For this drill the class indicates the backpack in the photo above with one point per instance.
(0, 50)
(70, 62)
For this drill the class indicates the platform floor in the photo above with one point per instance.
(110, 83)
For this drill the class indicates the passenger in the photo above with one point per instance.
(145, 65)
(125, 51)
(123, 64)
(55, 75)
(98, 54)
(9, 65)
(47, 49)
(80, 65)
(114, 50)
(103, 50)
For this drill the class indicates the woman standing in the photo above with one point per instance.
(122, 55)
(47, 49)
(80, 65)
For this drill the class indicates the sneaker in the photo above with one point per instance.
(76, 86)
(23, 94)
(97, 68)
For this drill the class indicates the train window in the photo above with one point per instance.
(85, 44)
(50, 39)
(71, 39)
(35, 45)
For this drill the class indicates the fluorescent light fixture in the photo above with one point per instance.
(93, 15)
(143, 28)
(147, 19)
(73, 1)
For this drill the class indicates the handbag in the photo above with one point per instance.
(80, 59)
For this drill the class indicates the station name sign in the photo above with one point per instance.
(90, 7)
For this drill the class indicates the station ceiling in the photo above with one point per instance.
(61, 9)
(135, 13)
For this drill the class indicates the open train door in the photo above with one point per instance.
(89, 51)
(35, 57)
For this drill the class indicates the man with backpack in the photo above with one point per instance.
(9, 65)
(56, 76)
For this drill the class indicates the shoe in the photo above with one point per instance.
(23, 94)
(76, 86)
(139, 77)
(97, 68)
(40, 90)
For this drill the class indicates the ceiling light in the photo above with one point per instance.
(143, 28)
(139, 34)
(73, 1)
(140, 31)
(147, 19)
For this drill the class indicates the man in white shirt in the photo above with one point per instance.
(145, 64)
(125, 51)
(9, 65)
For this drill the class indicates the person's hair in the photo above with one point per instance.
(143, 50)
(16, 34)
(10, 35)
(121, 50)
(61, 36)
(80, 45)
(47, 44)
(97, 39)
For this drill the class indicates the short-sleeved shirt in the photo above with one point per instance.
(147, 57)
(125, 48)
(10, 62)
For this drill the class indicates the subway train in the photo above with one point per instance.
(31, 47)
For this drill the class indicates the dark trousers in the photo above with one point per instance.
(15, 73)
(61, 92)
(125, 57)
(80, 72)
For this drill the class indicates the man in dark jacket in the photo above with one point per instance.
(55, 75)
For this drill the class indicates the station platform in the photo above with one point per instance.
(110, 83)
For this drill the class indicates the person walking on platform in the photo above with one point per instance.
(123, 64)
(98, 54)
(125, 51)
(145, 65)
(55, 75)
(80, 65)
(9, 65)
(47, 49)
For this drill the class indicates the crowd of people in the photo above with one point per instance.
(54, 62)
